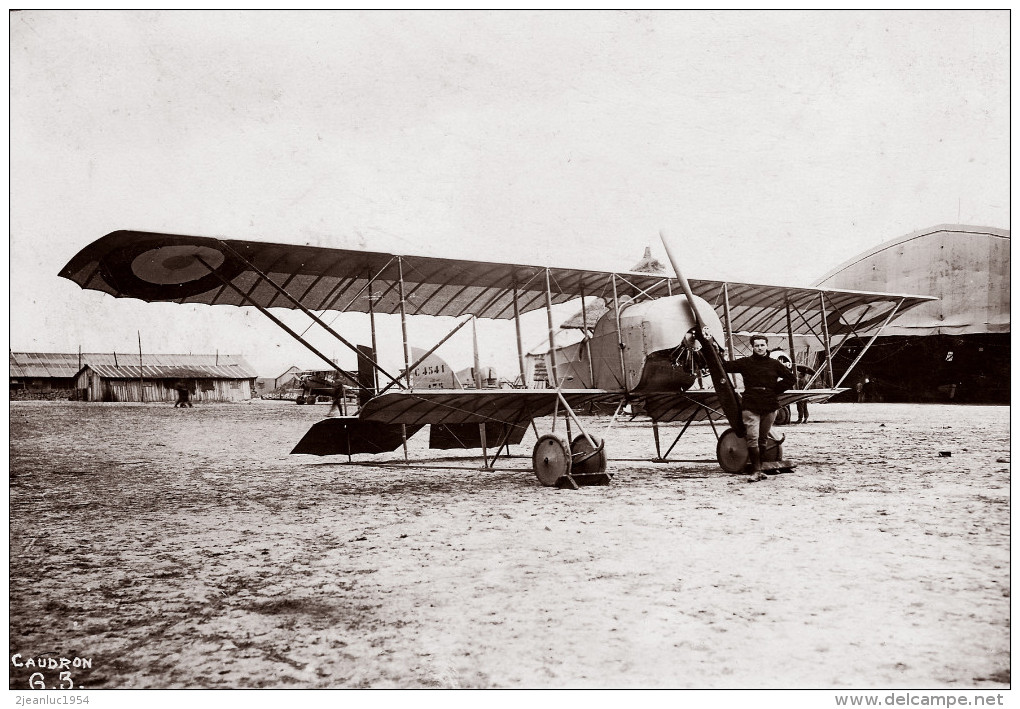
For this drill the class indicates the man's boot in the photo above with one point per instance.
(756, 474)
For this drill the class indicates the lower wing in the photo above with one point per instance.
(701, 404)
(512, 406)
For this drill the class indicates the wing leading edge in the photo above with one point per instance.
(195, 269)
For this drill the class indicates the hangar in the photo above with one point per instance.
(953, 349)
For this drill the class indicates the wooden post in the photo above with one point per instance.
(825, 329)
(552, 342)
(403, 321)
(520, 344)
(478, 387)
(407, 353)
(371, 324)
(587, 341)
(726, 316)
(141, 383)
(619, 335)
(793, 355)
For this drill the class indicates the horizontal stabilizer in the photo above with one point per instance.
(348, 435)
(468, 435)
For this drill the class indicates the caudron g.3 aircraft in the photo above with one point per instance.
(654, 348)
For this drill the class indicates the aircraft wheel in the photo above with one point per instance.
(300, 400)
(731, 452)
(783, 415)
(580, 448)
(773, 449)
(550, 459)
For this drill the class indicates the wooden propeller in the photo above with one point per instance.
(723, 388)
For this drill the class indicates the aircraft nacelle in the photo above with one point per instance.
(652, 333)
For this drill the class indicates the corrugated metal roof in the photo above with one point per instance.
(42, 365)
(109, 371)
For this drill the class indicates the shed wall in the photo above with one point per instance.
(158, 390)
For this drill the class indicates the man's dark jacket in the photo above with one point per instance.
(764, 379)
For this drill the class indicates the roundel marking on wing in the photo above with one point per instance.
(162, 268)
(173, 265)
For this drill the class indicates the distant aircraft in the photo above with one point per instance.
(650, 347)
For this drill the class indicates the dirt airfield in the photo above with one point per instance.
(177, 548)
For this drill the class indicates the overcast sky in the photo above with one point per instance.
(772, 146)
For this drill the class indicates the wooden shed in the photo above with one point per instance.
(231, 379)
(101, 382)
(49, 375)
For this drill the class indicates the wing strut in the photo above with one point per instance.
(297, 303)
(619, 336)
(552, 342)
(830, 355)
(520, 344)
(828, 350)
(793, 352)
(870, 343)
(478, 387)
(275, 319)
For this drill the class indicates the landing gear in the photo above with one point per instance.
(551, 459)
(731, 452)
(582, 464)
(783, 415)
(587, 459)
(773, 452)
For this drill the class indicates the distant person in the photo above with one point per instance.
(764, 379)
(859, 388)
(802, 412)
(338, 404)
(183, 397)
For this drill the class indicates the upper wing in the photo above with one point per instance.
(192, 269)
(702, 404)
(196, 269)
(763, 308)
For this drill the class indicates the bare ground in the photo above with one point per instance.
(186, 548)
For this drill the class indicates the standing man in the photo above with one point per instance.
(183, 395)
(764, 379)
(802, 412)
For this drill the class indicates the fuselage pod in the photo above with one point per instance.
(653, 335)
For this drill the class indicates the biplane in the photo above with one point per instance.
(657, 347)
